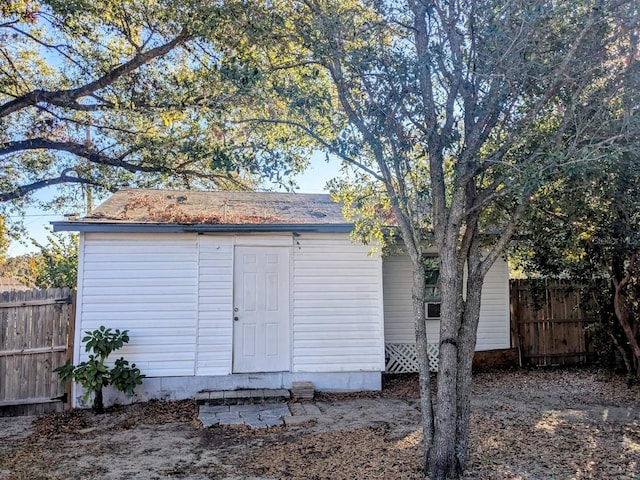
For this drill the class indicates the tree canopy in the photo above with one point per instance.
(53, 265)
(4, 240)
(586, 226)
(99, 95)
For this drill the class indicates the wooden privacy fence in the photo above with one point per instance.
(36, 336)
(548, 320)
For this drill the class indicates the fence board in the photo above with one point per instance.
(34, 340)
(548, 320)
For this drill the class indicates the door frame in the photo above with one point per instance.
(258, 241)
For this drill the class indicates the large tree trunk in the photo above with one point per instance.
(442, 462)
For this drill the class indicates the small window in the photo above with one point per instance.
(433, 310)
(432, 284)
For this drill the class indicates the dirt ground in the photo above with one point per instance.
(527, 424)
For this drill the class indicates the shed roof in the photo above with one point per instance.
(187, 210)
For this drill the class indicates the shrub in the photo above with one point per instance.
(94, 375)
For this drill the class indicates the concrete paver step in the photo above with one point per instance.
(255, 415)
(240, 397)
(259, 408)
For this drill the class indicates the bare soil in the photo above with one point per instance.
(526, 424)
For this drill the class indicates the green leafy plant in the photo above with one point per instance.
(94, 374)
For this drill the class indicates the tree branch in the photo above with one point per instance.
(69, 98)
(504, 239)
(63, 178)
(97, 158)
(58, 48)
(74, 148)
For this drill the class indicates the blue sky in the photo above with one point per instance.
(313, 180)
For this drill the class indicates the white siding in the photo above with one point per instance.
(493, 328)
(215, 305)
(146, 284)
(337, 305)
(399, 326)
(174, 293)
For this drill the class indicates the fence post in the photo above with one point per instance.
(71, 335)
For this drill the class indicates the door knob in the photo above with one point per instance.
(236, 318)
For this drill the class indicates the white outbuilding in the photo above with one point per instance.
(225, 290)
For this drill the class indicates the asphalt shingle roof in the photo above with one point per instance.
(137, 206)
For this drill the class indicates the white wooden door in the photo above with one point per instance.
(261, 309)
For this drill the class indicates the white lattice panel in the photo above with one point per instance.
(402, 357)
(433, 351)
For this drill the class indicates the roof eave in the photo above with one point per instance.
(105, 227)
